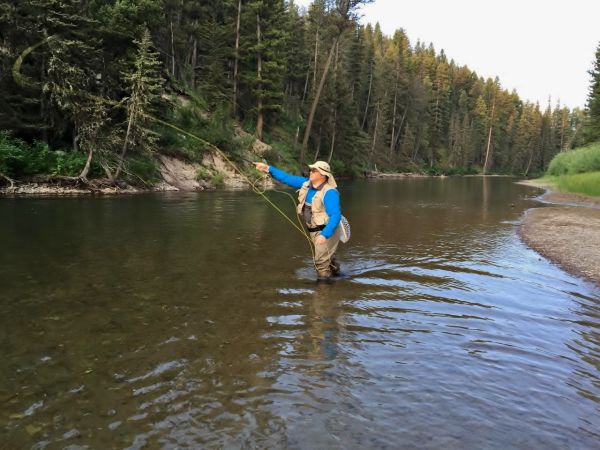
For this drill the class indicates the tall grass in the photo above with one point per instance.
(581, 160)
(577, 170)
(582, 183)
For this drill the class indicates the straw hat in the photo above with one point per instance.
(325, 170)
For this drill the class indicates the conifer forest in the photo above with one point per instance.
(83, 80)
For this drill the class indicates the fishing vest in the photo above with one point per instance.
(319, 216)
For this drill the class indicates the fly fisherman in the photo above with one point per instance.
(319, 206)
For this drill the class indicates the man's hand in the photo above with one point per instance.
(320, 240)
(262, 167)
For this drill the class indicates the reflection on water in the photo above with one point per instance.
(192, 321)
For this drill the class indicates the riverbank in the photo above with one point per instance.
(386, 175)
(35, 169)
(176, 175)
(567, 232)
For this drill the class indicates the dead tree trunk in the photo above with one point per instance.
(88, 163)
(398, 133)
(333, 137)
(417, 146)
(529, 163)
(375, 131)
(315, 102)
(318, 143)
(334, 125)
(315, 60)
(394, 114)
(125, 143)
(368, 100)
(305, 85)
(194, 62)
(489, 141)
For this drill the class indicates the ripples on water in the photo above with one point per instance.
(164, 322)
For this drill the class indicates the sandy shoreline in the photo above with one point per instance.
(567, 233)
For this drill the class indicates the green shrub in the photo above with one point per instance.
(192, 118)
(71, 164)
(142, 169)
(217, 180)
(216, 128)
(203, 174)
(581, 160)
(460, 171)
(244, 142)
(12, 154)
(20, 159)
(433, 170)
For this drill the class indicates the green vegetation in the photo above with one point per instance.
(582, 183)
(582, 160)
(141, 169)
(217, 179)
(19, 159)
(144, 86)
(577, 170)
(314, 84)
(203, 174)
(592, 121)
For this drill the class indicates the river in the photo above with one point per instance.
(193, 321)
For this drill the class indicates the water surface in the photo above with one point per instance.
(192, 320)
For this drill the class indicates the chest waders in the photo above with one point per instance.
(316, 218)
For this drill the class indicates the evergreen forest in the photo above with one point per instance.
(83, 81)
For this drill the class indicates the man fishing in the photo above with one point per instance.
(319, 206)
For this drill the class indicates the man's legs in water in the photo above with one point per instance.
(335, 267)
(324, 255)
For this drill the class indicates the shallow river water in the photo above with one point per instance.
(193, 321)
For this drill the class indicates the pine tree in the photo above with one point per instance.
(144, 86)
(341, 16)
(19, 106)
(215, 55)
(261, 71)
(592, 126)
(440, 109)
(547, 150)
(60, 70)
(396, 53)
(295, 53)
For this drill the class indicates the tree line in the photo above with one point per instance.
(91, 74)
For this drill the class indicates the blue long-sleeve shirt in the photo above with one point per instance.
(331, 199)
